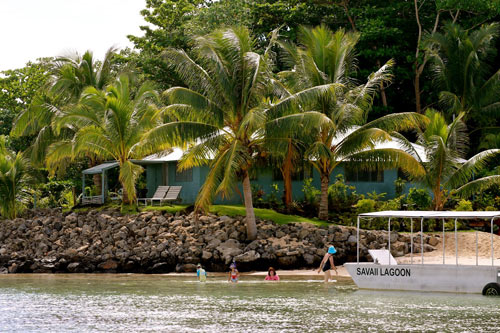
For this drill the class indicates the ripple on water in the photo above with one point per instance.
(158, 303)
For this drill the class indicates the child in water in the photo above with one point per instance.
(233, 274)
(201, 273)
(271, 275)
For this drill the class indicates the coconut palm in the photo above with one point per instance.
(220, 112)
(328, 106)
(14, 176)
(490, 140)
(447, 173)
(462, 65)
(112, 124)
(72, 74)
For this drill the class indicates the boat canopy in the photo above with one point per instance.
(430, 214)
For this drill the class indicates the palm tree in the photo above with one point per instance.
(72, 74)
(490, 140)
(14, 176)
(328, 106)
(112, 124)
(220, 112)
(462, 65)
(446, 171)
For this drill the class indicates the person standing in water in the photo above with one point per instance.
(271, 275)
(327, 263)
(201, 273)
(234, 275)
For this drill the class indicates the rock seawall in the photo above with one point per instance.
(156, 242)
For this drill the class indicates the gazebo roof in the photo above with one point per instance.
(100, 168)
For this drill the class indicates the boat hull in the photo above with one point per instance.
(423, 277)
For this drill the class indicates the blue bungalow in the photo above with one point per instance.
(162, 170)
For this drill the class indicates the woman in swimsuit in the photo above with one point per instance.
(233, 274)
(271, 275)
(327, 263)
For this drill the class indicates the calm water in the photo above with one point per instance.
(130, 303)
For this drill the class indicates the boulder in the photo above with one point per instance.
(206, 255)
(229, 249)
(249, 256)
(108, 265)
(309, 259)
(433, 241)
(74, 267)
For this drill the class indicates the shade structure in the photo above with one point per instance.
(100, 168)
(433, 214)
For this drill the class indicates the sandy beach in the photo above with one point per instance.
(466, 255)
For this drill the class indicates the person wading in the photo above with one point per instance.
(327, 263)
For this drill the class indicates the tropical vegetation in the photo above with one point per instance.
(293, 84)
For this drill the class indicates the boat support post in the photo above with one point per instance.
(443, 244)
(389, 238)
(422, 239)
(456, 243)
(477, 263)
(357, 241)
(411, 240)
(492, 250)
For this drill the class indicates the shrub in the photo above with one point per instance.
(258, 196)
(273, 200)
(365, 206)
(418, 199)
(341, 197)
(311, 195)
(399, 186)
(464, 205)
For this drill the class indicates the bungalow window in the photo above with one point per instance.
(183, 176)
(374, 176)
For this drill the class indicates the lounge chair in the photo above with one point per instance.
(159, 194)
(172, 194)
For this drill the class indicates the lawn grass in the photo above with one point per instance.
(266, 214)
(172, 209)
(229, 210)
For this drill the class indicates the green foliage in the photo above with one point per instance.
(18, 88)
(341, 197)
(465, 73)
(365, 206)
(113, 124)
(418, 199)
(54, 193)
(464, 205)
(14, 176)
(399, 186)
(311, 193)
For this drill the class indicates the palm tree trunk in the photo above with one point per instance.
(250, 215)
(323, 204)
(437, 200)
(125, 199)
(97, 179)
(287, 179)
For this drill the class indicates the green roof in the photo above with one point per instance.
(100, 168)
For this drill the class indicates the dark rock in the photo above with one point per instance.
(108, 265)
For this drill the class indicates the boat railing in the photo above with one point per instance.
(443, 216)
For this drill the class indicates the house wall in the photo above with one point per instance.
(154, 176)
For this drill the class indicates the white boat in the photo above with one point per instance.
(385, 274)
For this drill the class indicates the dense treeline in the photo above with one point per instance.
(242, 78)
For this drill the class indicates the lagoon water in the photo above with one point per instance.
(157, 303)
